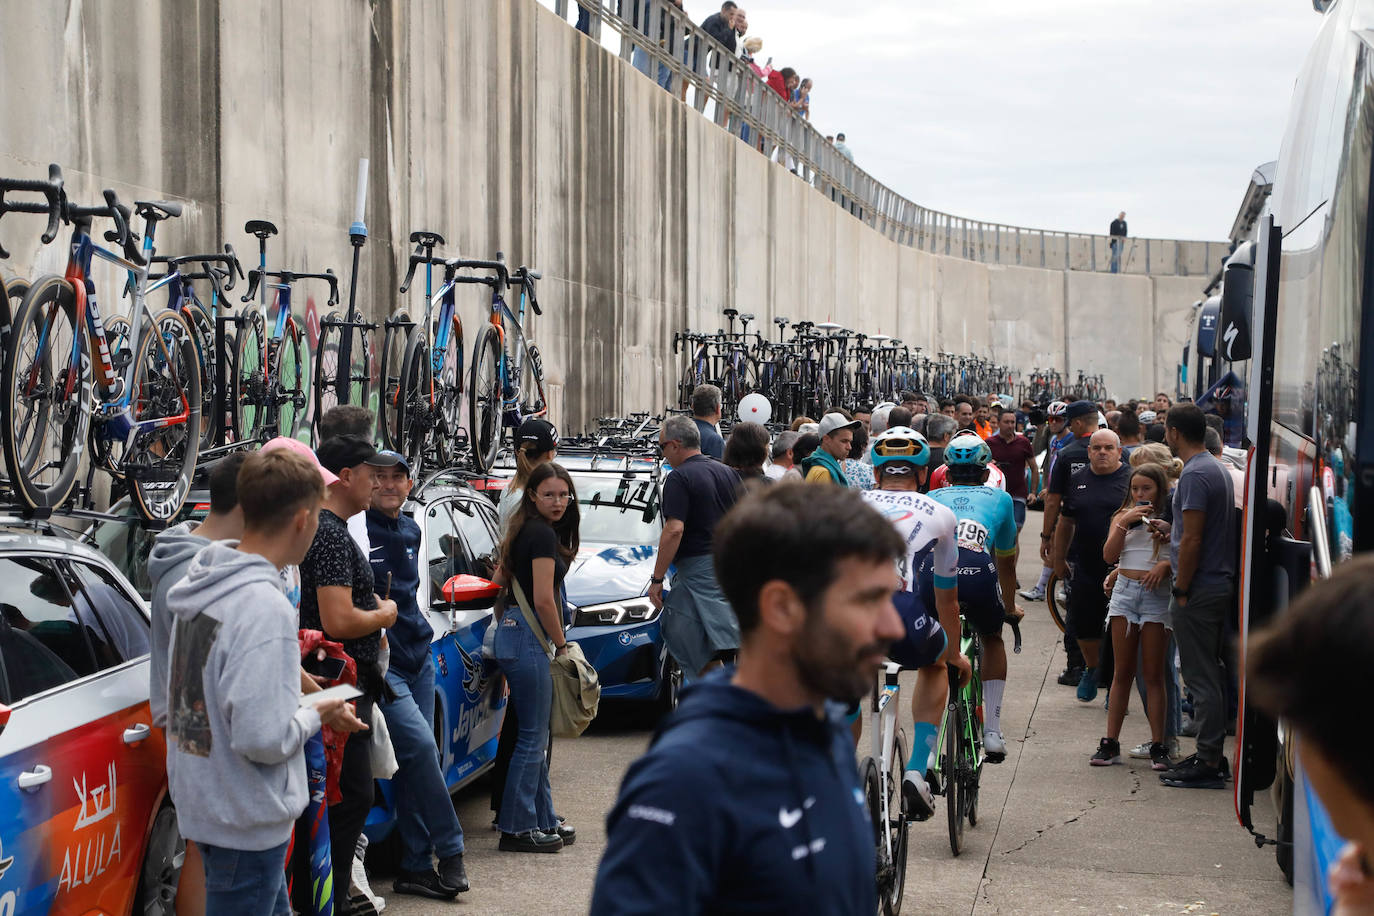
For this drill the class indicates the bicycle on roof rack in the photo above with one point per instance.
(139, 402)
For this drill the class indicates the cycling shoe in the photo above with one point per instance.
(994, 746)
(917, 793)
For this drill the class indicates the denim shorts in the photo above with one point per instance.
(1138, 605)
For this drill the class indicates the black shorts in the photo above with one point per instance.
(925, 640)
(980, 594)
(1087, 601)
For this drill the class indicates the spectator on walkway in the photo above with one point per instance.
(668, 40)
(706, 413)
(1128, 428)
(1117, 231)
(721, 25)
(540, 543)
(698, 626)
(1203, 553)
(783, 461)
(1138, 613)
(837, 439)
(536, 442)
(1162, 405)
(1012, 453)
(425, 818)
(351, 420)
(339, 598)
(1091, 496)
(799, 422)
(236, 729)
(811, 573)
(746, 452)
(842, 148)
(741, 26)
(802, 98)
(1321, 647)
(940, 428)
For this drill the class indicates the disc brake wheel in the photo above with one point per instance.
(326, 387)
(954, 777)
(45, 425)
(248, 388)
(391, 407)
(417, 399)
(533, 402)
(293, 371)
(484, 399)
(161, 463)
(448, 399)
(899, 820)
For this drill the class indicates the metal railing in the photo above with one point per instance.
(659, 40)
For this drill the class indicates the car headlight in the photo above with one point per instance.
(615, 613)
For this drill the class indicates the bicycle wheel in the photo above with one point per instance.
(158, 467)
(248, 387)
(416, 397)
(15, 289)
(203, 342)
(954, 777)
(484, 399)
(105, 452)
(325, 391)
(899, 820)
(389, 385)
(1057, 599)
(293, 370)
(873, 802)
(533, 402)
(448, 398)
(45, 426)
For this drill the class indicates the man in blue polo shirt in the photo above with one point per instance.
(424, 812)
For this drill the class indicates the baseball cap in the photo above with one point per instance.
(538, 434)
(400, 459)
(300, 448)
(350, 451)
(833, 421)
(1080, 409)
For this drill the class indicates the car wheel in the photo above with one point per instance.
(670, 685)
(157, 883)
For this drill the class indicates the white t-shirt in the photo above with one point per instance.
(357, 528)
(924, 525)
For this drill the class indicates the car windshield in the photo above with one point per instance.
(614, 507)
(127, 543)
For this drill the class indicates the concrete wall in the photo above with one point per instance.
(497, 125)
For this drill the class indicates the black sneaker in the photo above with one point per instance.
(1071, 676)
(1194, 774)
(1224, 768)
(1159, 756)
(423, 884)
(568, 834)
(530, 841)
(452, 873)
(1108, 753)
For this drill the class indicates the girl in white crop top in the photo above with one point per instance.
(1131, 542)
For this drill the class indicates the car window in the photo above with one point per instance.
(43, 643)
(476, 524)
(614, 509)
(127, 544)
(101, 599)
(445, 555)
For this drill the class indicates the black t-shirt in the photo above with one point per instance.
(698, 492)
(715, 26)
(1071, 459)
(334, 559)
(1091, 500)
(536, 541)
(1118, 227)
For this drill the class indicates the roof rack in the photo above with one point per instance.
(454, 477)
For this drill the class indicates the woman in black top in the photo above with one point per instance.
(540, 543)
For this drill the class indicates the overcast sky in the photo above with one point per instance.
(1052, 114)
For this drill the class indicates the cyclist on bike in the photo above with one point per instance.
(900, 456)
(986, 528)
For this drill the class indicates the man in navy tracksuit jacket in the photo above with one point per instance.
(748, 800)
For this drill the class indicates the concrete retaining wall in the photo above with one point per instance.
(502, 128)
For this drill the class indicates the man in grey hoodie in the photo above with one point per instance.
(236, 727)
(172, 553)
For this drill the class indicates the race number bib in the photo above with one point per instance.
(971, 534)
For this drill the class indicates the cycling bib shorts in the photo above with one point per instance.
(986, 527)
(980, 597)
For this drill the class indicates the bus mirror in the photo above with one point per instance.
(1237, 295)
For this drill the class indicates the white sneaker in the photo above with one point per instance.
(1033, 594)
(1142, 750)
(995, 747)
(359, 876)
(918, 796)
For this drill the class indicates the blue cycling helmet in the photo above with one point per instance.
(900, 443)
(967, 449)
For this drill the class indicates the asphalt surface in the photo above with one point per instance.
(1054, 836)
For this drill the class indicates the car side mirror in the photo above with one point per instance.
(470, 593)
(4, 716)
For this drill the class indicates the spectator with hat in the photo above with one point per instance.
(536, 442)
(837, 440)
(425, 818)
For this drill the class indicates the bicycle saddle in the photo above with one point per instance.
(746, 317)
(156, 209)
(780, 322)
(879, 338)
(259, 227)
(730, 313)
(426, 238)
(827, 326)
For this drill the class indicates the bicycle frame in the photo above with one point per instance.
(885, 708)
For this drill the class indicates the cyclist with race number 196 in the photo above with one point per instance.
(986, 529)
(900, 456)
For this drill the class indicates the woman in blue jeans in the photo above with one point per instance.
(539, 544)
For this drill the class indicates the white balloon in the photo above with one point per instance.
(755, 408)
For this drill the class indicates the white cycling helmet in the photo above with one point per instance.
(1056, 409)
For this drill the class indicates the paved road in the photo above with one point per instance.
(1056, 836)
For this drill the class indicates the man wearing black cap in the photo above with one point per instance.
(338, 596)
(425, 818)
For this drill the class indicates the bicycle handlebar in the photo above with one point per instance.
(499, 266)
(52, 192)
(287, 277)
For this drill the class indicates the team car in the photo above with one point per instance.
(85, 822)
(458, 542)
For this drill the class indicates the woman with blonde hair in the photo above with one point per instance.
(1158, 454)
(1139, 611)
(536, 443)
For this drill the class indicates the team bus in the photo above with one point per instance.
(1310, 411)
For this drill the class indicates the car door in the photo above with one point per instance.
(476, 736)
(72, 812)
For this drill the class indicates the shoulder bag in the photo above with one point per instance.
(576, 688)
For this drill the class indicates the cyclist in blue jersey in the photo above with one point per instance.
(986, 529)
(900, 456)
